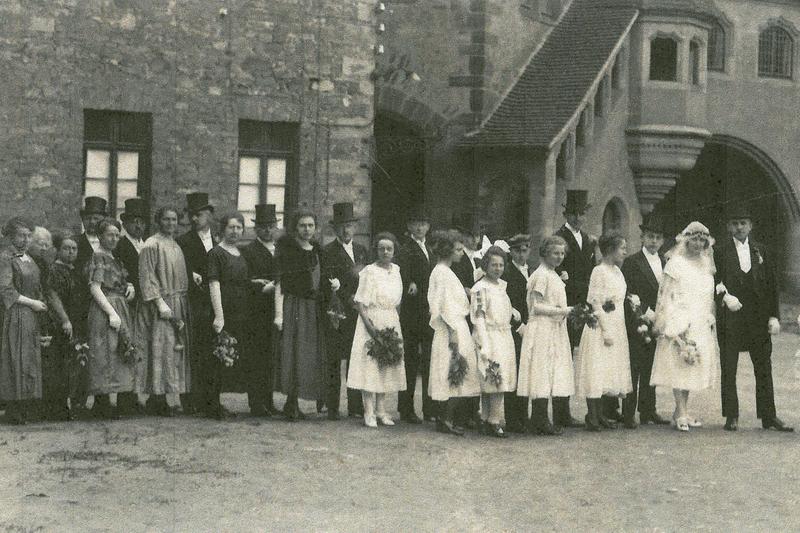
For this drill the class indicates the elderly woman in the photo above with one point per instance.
(20, 350)
(163, 316)
(109, 322)
(301, 372)
(687, 353)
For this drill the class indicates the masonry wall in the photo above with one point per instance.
(198, 73)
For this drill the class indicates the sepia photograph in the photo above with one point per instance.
(401, 265)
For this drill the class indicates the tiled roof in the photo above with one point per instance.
(557, 79)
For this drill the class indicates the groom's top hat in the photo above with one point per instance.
(738, 212)
(343, 213)
(653, 223)
(265, 215)
(94, 205)
(134, 207)
(577, 202)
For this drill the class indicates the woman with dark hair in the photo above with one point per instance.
(602, 366)
(109, 322)
(20, 351)
(164, 307)
(230, 288)
(380, 289)
(301, 365)
(449, 307)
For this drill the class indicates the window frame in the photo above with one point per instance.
(677, 42)
(717, 48)
(776, 30)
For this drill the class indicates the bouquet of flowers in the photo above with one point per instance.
(687, 348)
(225, 349)
(386, 347)
(81, 348)
(609, 306)
(493, 373)
(582, 315)
(643, 321)
(458, 367)
(335, 311)
(126, 347)
(177, 325)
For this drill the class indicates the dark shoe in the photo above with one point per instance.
(653, 418)
(260, 411)
(607, 423)
(544, 428)
(443, 426)
(496, 431)
(484, 428)
(430, 418)
(321, 406)
(515, 427)
(630, 423)
(614, 415)
(333, 416)
(134, 409)
(776, 424)
(731, 423)
(410, 418)
(572, 423)
(351, 414)
(271, 411)
(591, 425)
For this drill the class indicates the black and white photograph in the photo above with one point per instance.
(400, 265)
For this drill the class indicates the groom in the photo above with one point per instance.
(748, 317)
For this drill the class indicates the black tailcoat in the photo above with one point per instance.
(415, 268)
(465, 272)
(516, 407)
(126, 253)
(578, 264)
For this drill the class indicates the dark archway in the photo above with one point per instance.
(398, 175)
(615, 217)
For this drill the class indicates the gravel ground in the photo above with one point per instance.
(187, 474)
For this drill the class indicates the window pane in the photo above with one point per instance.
(249, 170)
(663, 59)
(276, 195)
(248, 198)
(281, 216)
(276, 172)
(127, 165)
(98, 163)
(96, 187)
(248, 218)
(125, 189)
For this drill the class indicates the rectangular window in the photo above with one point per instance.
(694, 62)
(267, 165)
(775, 53)
(716, 48)
(116, 155)
(663, 59)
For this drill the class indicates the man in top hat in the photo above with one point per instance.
(260, 257)
(747, 316)
(342, 260)
(195, 244)
(643, 272)
(516, 276)
(468, 269)
(416, 262)
(575, 270)
(134, 222)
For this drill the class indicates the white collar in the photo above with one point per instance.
(740, 244)
(569, 227)
(520, 267)
(347, 246)
(648, 254)
(420, 242)
(205, 234)
(269, 245)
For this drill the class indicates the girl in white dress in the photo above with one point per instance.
(545, 366)
(687, 353)
(491, 314)
(603, 365)
(378, 299)
(449, 307)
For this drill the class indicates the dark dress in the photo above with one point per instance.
(63, 374)
(235, 288)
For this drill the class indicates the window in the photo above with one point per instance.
(266, 165)
(615, 73)
(580, 129)
(116, 156)
(599, 98)
(775, 53)
(694, 62)
(663, 59)
(716, 48)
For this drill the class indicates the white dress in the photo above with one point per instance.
(686, 303)
(602, 370)
(545, 364)
(498, 344)
(449, 306)
(380, 290)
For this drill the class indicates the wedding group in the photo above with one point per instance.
(499, 345)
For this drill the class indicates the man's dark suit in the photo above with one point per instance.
(747, 329)
(206, 378)
(261, 265)
(516, 407)
(578, 264)
(336, 264)
(80, 328)
(465, 271)
(469, 408)
(126, 253)
(641, 281)
(415, 322)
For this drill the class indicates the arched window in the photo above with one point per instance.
(775, 53)
(694, 62)
(716, 48)
(664, 59)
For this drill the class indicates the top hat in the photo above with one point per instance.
(464, 221)
(653, 223)
(265, 215)
(417, 213)
(577, 201)
(519, 240)
(198, 201)
(738, 211)
(94, 205)
(134, 207)
(343, 213)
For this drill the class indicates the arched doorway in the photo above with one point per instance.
(398, 174)
(615, 218)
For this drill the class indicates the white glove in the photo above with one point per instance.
(335, 284)
(130, 292)
(218, 324)
(650, 315)
(279, 323)
(774, 326)
(114, 321)
(564, 276)
(198, 279)
(515, 315)
(732, 303)
(269, 286)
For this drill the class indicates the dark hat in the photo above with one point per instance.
(518, 240)
(577, 201)
(134, 207)
(653, 223)
(94, 205)
(198, 201)
(738, 212)
(464, 221)
(343, 213)
(417, 213)
(265, 215)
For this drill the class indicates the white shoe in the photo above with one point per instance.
(370, 421)
(694, 422)
(385, 420)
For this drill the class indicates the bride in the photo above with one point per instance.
(687, 353)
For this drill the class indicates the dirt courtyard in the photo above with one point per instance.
(188, 474)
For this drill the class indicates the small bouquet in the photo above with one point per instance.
(582, 315)
(126, 347)
(609, 306)
(225, 349)
(687, 349)
(458, 367)
(335, 311)
(177, 325)
(45, 340)
(493, 373)
(386, 347)
(81, 348)
(644, 324)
